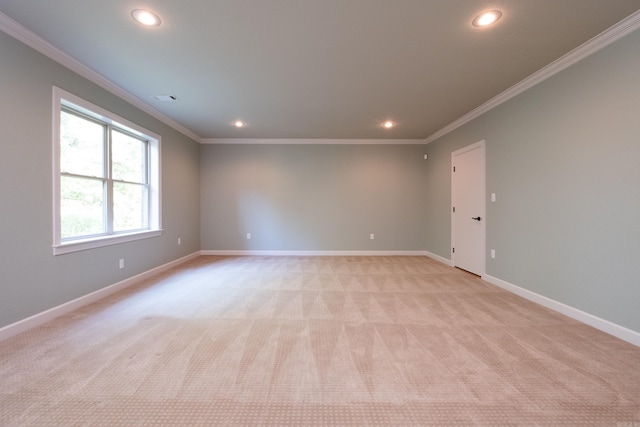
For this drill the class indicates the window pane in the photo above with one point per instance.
(129, 207)
(81, 146)
(129, 158)
(81, 207)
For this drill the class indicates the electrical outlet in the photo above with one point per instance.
(179, 241)
(493, 253)
(248, 236)
(493, 197)
(121, 264)
(372, 236)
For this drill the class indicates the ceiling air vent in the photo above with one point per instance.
(163, 98)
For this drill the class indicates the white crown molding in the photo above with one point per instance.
(614, 33)
(302, 141)
(34, 41)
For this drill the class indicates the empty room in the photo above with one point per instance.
(305, 212)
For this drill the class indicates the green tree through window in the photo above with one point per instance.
(103, 183)
(106, 177)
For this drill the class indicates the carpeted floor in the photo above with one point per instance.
(312, 341)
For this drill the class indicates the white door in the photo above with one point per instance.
(468, 208)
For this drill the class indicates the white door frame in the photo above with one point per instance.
(483, 207)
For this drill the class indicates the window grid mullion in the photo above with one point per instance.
(109, 180)
(79, 221)
(147, 174)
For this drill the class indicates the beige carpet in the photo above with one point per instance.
(349, 341)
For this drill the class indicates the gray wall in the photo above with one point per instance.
(313, 197)
(564, 161)
(31, 278)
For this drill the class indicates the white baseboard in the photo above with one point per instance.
(438, 258)
(610, 328)
(310, 253)
(45, 316)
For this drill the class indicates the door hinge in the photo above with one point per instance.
(453, 250)
(454, 209)
(454, 168)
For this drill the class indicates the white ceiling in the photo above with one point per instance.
(330, 69)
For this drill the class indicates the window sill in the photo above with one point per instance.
(82, 245)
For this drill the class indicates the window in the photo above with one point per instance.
(106, 177)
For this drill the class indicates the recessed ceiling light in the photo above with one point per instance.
(239, 124)
(486, 18)
(146, 18)
(388, 124)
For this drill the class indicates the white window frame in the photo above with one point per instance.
(61, 246)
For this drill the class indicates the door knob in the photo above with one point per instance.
(477, 218)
